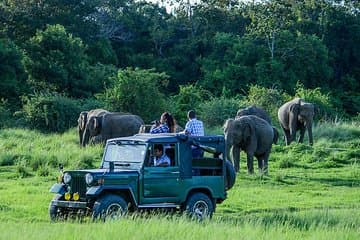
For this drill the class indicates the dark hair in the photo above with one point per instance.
(170, 121)
(159, 147)
(191, 114)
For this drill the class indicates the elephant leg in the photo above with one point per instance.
(260, 163)
(250, 165)
(236, 157)
(287, 136)
(302, 133)
(265, 163)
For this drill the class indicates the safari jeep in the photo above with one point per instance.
(127, 179)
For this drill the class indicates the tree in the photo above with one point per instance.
(138, 91)
(12, 73)
(56, 62)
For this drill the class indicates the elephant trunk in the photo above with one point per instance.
(80, 136)
(276, 135)
(86, 137)
(228, 150)
(309, 128)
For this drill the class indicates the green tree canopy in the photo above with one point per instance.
(56, 61)
(13, 77)
(138, 91)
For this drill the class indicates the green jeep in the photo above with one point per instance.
(127, 179)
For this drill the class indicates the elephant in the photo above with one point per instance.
(111, 125)
(251, 134)
(296, 115)
(261, 113)
(82, 120)
(254, 110)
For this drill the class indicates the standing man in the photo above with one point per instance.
(194, 127)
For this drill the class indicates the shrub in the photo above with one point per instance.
(50, 112)
(137, 91)
(6, 119)
(269, 99)
(189, 97)
(217, 109)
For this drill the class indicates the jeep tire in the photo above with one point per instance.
(109, 207)
(54, 211)
(199, 206)
(230, 175)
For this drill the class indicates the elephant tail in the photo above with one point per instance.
(276, 135)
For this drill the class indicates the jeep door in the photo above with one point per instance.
(160, 184)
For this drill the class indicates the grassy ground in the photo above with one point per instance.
(310, 193)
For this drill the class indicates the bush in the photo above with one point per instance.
(137, 91)
(189, 97)
(6, 119)
(215, 111)
(269, 99)
(50, 112)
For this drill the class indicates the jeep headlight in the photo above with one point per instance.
(89, 178)
(67, 178)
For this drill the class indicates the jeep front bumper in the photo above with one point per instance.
(69, 204)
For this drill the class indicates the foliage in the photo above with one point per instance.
(216, 110)
(6, 118)
(12, 73)
(189, 97)
(50, 112)
(75, 49)
(137, 91)
(56, 61)
(269, 99)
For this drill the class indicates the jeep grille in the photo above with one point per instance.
(78, 184)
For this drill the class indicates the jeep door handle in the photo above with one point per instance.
(177, 172)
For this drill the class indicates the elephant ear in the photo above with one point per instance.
(97, 123)
(228, 123)
(295, 108)
(248, 131)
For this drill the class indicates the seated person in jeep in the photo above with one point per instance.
(160, 159)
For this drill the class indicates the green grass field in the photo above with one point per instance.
(310, 193)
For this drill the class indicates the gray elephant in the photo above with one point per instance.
(111, 125)
(82, 120)
(261, 113)
(251, 134)
(296, 115)
(254, 110)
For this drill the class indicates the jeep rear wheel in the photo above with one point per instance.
(109, 207)
(199, 206)
(230, 175)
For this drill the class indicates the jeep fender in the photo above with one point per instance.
(96, 191)
(58, 188)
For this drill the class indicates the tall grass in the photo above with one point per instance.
(311, 192)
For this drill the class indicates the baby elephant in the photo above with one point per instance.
(253, 135)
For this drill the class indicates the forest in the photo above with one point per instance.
(61, 57)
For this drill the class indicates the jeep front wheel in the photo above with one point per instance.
(54, 211)
(109, 207)
(199, 206)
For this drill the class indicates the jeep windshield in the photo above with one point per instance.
(124, 155)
